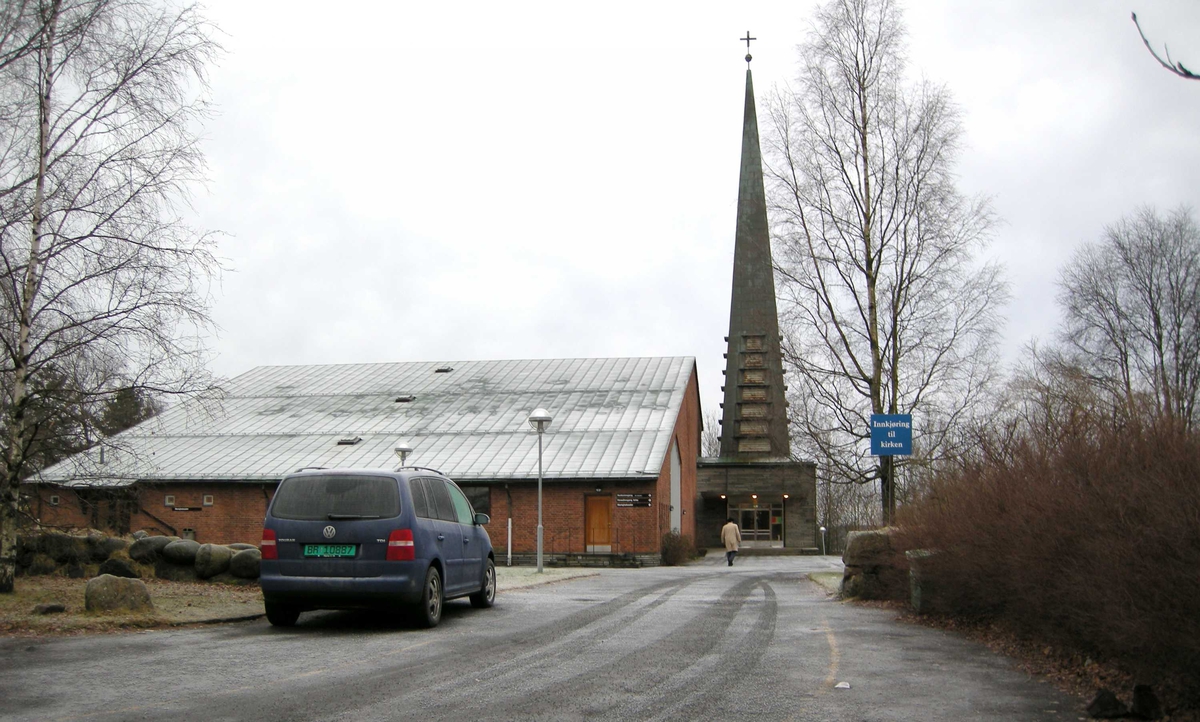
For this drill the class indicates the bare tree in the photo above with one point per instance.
(101, 282)
(1164, 60)
(885, 304)
(1132, 308)
(710, 437)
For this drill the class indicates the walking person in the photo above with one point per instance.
(731, 536)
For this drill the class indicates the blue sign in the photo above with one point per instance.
(891, 434)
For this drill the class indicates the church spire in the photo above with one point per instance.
(754, 418)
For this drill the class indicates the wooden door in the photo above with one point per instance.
(598, 522)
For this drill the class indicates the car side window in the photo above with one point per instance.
(462, 507)
(420, 502)
(440, 500)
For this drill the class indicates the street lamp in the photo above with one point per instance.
(539, 419)
(822, 541)
(402, 450)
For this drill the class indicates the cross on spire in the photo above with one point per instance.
(748, 39)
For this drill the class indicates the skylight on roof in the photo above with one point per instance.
(405, 399)
(443, 369)
(349, 441)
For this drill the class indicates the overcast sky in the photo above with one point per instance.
(441, 181)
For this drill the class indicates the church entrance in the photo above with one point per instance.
(597, 524)
(762, 525)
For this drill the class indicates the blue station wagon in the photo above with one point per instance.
(355, 539)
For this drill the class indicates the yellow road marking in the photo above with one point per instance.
(835, 657)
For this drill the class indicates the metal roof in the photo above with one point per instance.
(613, 418)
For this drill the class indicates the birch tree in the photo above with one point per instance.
(1132, 313)
(884, 301)
(102, 283)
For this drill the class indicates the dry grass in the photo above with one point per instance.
(174, 603)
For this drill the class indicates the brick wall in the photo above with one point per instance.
(235, 514)
(634, 530)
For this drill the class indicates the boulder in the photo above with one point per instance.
(240, 546)
(50, 608)
(119, 568)
(148, 549)
(245, 563)
(1107, 706)
(139, 534)
(212, 559)
(922, 587)
(875, 566)
(164, 569)
(102, 547)
(75, 571)
(181, 552)
(868, 548)
(64, 548)
(41, 564)
(107, 593)
(1145, 703)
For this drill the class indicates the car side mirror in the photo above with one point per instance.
(482, 519)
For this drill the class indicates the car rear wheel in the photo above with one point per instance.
(429, 611)
(281, 615)
(486, 596)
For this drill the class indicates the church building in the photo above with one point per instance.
(755, 481)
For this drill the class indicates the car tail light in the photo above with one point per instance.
(269, 550)
(400, 546)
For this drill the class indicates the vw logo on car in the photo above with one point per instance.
(329, 532)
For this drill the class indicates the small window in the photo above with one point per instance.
(405, 399)
(169, 500)
(189, 533)
(349, 441)
(480, 498)
(443, 369)
(208, 499)
(54, 500)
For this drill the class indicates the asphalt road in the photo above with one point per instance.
(706, 641)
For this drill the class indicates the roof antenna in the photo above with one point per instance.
(749, 57)
(402, 450)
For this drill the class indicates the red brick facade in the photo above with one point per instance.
(234, 512)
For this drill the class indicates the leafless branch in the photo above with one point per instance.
(1172, 65)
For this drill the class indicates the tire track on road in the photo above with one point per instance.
(428, 681)
(650, 665)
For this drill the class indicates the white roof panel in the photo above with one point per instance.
(613, 418)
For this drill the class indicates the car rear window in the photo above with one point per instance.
(337, 496)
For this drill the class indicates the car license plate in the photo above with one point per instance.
(329, 550)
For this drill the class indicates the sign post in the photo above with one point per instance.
(891, 434)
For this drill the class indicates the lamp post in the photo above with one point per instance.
(822, 541)
(539, 419)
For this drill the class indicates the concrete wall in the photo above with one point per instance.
(770, 480)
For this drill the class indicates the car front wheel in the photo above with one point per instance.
(486, 596)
